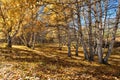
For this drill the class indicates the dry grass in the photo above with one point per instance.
(49, 63)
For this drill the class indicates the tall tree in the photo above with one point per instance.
(113, 34)
(11, 16)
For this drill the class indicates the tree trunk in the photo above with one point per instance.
(33, 44)
(86, 57)
(9, 41)
(76, 33)
(99, 50)
(99, 42)
(69, 43)
(77, 46)
(113, 36)
(59, 38)
(69, 50)
(69, 36)
(80, 32)
(90, 32)
(99, 29)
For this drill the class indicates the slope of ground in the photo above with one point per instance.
(49, 63)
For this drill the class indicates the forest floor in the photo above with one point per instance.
(48, 63)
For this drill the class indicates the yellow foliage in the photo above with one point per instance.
(5, 1)
(54, 13)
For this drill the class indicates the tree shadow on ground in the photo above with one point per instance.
(20, 55)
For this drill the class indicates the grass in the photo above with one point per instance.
(49, 63)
